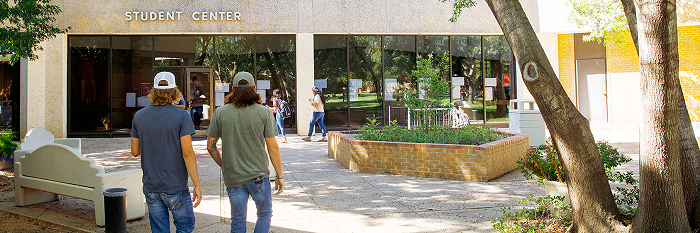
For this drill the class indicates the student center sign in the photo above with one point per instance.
(90, 81)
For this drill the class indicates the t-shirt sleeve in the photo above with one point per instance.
(213, 130)
(134, 133)
(186, 125)
(270, 126)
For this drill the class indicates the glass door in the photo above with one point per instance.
(199, 96)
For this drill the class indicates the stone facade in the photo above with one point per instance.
(464, 162)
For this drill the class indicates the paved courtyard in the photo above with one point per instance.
(323, 196)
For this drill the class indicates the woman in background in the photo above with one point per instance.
(276, 97)
(318, 102)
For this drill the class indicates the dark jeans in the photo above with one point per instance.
(177, 203)
(197, 115)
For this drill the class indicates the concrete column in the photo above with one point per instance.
(56, 80)
(305, 80)
(43, 91)
(35, 91)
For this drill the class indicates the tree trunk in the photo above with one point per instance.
(594, 209)
(497, 68)
(689, 150)
(661, 202)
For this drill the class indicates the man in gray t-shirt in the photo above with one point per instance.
(161, 135)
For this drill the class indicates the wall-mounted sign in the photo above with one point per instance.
(145, 89)
(506, 80)
(177, 15)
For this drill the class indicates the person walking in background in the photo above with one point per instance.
(246, 128)
(318, 102)
(276, 104)
(162, 135)
(197, 99)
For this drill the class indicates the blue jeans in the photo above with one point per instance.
(179, 203)
(317, 117)
(280, 123)
(261, 194)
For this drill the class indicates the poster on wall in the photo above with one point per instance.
(389, 85)
(456, 92)
(263, 96)
(145, 89)
(490, 82)
(130, 100)
(355, 85)
(506, 80)
(457, 81)
(222, 88)
(488, 93)
(219, 99)
(263, 84)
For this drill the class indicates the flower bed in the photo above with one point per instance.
(465, 162)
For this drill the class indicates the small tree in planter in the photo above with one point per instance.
(431, 93)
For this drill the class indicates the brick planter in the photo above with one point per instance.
(464, 162)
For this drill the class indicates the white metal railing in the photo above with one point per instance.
(442, 116)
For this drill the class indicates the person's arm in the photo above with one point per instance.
(273, 150)
(213, 151)
(135, 147)
(191, 164)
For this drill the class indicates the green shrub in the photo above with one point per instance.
(542, 162)
(470, 135)
(7, 145)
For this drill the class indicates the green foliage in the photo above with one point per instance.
(7, 145)
(470, 135)
(26, 23)
(458, 5)
(432, 89)
(548, 214)
(542, 162)
(605, 18)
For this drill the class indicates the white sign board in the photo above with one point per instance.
(490, 82)
(488, 93)
(456, 92)
(143, 101)
(321, 83)
(263, 84)
(389, 85)
(130, 100)
(219, 99)
(421, 91)
(457, 81)
(223, 87)
(355, 85)
(263, 95)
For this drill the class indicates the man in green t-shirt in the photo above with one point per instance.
(246, 128)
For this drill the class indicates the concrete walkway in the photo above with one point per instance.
(323, 196)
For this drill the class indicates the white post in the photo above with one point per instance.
(305, 80)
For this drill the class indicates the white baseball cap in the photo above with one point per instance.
(168, 77)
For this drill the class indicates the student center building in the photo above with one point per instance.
(91, 81)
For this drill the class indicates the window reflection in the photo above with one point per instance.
(88, 106)
(365, 86)
(330, 64)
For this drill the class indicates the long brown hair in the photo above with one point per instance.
(243, 96)
(164, 96)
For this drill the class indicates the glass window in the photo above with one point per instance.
(467, 63)
(9, 99)
(132, 69)
(88, 106)
(365, 87)
(399, 62)
(497, 82)
(183, 50)
(330, 64)
(276, 64)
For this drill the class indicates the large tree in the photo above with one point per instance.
(593, 206)
(26, 23)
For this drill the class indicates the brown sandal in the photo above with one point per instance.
(323, 140)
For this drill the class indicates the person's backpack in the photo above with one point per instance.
(284, 109)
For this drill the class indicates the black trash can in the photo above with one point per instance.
(115, 210)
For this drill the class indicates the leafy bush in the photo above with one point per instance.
(542, 162)
(7, 146)
(540, 218)
(470, 135)
(432, 92)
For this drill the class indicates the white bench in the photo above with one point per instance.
(45, 167)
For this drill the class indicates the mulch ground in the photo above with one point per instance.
(17, 223)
